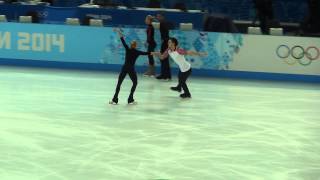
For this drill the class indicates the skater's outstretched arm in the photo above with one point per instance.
(143, 53)
(191, 53)
(122, 38)
(195, 53)
(161, 56)
(180, 51)
(124, 43)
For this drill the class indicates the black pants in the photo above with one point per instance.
(183, 76)
(165, 65)
(151, 48)
(134, 79)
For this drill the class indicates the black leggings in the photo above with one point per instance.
(134, 79)
(183, 76)
(151, 48)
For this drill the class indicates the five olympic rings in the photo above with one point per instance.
(304, 56)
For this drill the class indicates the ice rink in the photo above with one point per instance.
(58, 125)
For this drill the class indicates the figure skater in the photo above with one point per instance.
(128, 68)
(178, 56)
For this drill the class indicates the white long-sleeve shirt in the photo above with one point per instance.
(178, 57)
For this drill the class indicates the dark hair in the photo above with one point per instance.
(174, 41)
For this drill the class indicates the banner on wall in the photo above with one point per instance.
(278, 54)
(101, 45)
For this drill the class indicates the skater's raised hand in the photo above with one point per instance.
(118, 30)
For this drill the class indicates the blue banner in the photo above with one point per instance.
(101, 45)
(52, 42)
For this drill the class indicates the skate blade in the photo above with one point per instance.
(133, 103)
(112, 103)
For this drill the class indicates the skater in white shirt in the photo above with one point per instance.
(178, 56)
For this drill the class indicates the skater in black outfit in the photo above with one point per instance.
(128, 68)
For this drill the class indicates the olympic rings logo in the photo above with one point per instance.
(298, 54)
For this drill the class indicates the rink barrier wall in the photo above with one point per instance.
(99, 48)
(141, 69)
